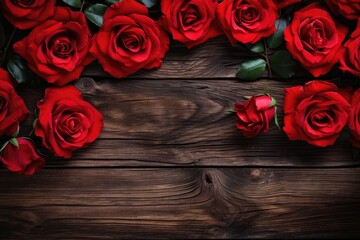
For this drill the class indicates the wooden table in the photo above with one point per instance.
(170, 163)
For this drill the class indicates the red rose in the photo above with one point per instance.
(23, 159)
(57, 50)
(315, 113)
(348, 8)
(350, 59)
(25, 14)
(285, 3)
(255, 115)
(315, 39)
(354, 119)
(129, 40)
(66, 122)
(190, 21)
(247, 21)
(12, 109)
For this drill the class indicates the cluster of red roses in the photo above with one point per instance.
(57, 50)
(316, 113)
(65, 123)
(60, 45)
(319, 111)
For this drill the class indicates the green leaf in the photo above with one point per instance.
(18, 69)
(247, 97)
(251, 69)
(73, 3)
(14, 142)
(257, 47)
(282, 63)
(148, 3)
(111, 2)
(273, 102)
(2, 36)
(95, 13)
(277, 38)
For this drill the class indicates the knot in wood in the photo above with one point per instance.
(85, 84)
(255, 174)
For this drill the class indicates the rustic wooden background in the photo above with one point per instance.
(170, 163)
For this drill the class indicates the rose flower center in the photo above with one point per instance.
(61, 46)
(314, 36)
(248, 13)
(321, 119)
(71, 125)
(190, 15)
(130, 41)
(22, 3)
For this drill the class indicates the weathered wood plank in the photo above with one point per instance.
(181, 203)
(214, 59)
(155, 122)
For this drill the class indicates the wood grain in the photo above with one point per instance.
(181, 203)
(185, 122)
(214, 59)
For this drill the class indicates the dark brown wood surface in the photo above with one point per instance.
(170, 163)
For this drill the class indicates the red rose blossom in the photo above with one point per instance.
(255, 115)
(285, 3)
(22, 159)
(348, 8)
(190, 21)
(314, 39)
(12, 109)
(66, 122)
(350, 59)
(57, 50)
(247, 21)
(25, 14)
(354, 119)
(315, 113)
(129, 40)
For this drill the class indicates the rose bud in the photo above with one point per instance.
(255, 115)
(316, 113)
(22, 159)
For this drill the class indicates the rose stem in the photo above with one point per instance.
(7, 46)
(267, 59)
(82, 5)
